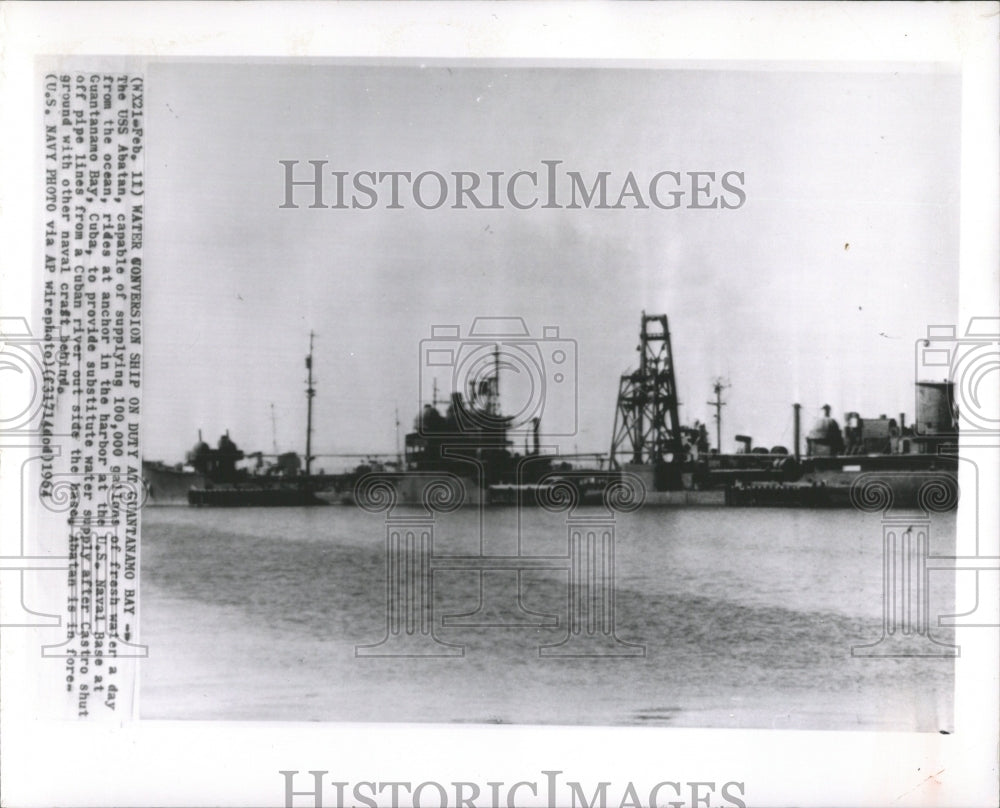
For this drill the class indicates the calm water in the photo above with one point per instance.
(748, 618)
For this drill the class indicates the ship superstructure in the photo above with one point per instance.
(467, 438)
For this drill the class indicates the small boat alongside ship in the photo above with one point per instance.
(468, 447)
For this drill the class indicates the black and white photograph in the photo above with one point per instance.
(514, 400)
(655, 358)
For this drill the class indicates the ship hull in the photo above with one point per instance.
(870, 483)
(253, 497)
(419, 489)
(169, 486)
(866, 482)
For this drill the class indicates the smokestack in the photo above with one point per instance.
(535, 423)
(798, 429)
(902, 421)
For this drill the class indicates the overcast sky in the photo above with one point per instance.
(815, 290)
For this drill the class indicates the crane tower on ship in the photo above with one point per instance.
(647, 428)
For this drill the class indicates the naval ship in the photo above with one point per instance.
(461, 451)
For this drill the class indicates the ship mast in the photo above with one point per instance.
(399, 457)
(718, 386)
(310, 393)
(495, 408)
(274, 432)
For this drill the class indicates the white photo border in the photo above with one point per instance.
(222, 763)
